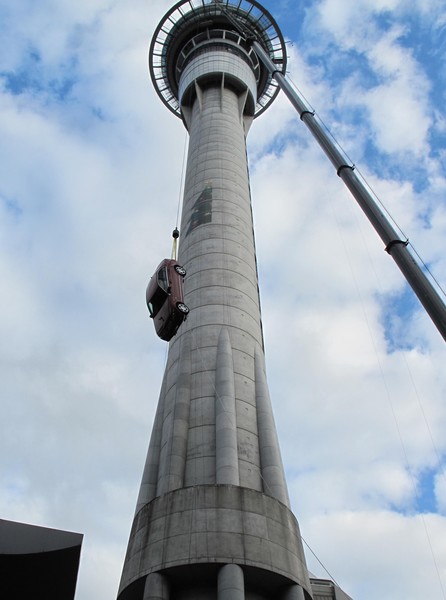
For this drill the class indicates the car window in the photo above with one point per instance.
(163, 279)
(156, 302)
(151, 309)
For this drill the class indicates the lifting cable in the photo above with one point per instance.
(176, 232)
(175, 235)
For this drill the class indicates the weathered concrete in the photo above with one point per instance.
(215, 524)
(231, 584)
(225, 420)
(213, 513)
(156, 587)
(222, 292)
(294, 592)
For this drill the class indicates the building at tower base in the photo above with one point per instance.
(38, 562)
(325, 589)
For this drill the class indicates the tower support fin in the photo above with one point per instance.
(176, 428)
(227, 468)
(270, 460)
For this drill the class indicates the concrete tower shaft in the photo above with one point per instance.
(213, 520)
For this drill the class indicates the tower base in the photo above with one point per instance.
(189, 534)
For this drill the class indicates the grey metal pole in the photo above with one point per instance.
(394, 245)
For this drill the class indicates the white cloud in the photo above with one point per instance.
(395, 90)
(383, 541)
(398, 106)
(351, 23)
(89, 189)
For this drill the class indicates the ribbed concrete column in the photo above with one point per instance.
(156, 587)
(225, 416)
(294, 592)
(270, 459)
(176, 427)
(231, 584)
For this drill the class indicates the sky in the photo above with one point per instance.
(90, 179)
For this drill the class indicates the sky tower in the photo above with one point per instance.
(213, 519)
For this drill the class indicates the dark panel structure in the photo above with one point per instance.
(37, 562)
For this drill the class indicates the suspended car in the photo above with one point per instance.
(164, 296)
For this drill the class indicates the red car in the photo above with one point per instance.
(164, 296)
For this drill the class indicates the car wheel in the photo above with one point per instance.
(180, 270)
(182, 308)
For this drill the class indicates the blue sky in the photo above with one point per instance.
(90, 165)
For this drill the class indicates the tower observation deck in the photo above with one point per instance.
(213, 520)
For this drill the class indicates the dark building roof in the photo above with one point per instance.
(37, 562)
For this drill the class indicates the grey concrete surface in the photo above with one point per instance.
(231, 584)
(294, 592)
(156, 587)
(213, 491)
(215, 524)
(226, 466)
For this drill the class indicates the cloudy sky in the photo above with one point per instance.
(90, 164)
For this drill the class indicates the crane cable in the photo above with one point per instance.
(176, 232)
(175, 235)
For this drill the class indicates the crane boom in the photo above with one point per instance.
(396, 247)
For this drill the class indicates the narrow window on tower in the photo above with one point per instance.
(202, 209)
